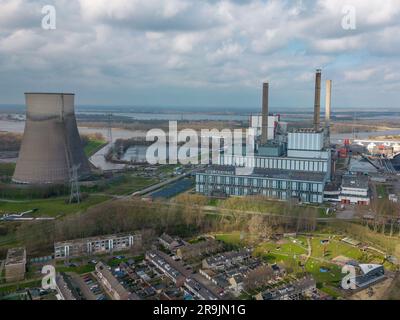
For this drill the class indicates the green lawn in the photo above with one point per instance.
(381, 190)
(7, 169)
(79, 269)
(93, 146)
(332, 276)
(8, 240)
(333, 249)
(289, 249)
(51, 207)
(129, 184)
(11, 288)
(229, 238)
(114, 262)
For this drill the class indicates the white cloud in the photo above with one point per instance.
(191, 43)
(359, 75)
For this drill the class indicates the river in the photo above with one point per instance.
(98, 158)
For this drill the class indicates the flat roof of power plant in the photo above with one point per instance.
(355, 181)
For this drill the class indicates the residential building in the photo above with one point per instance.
(112, 286)
(96, 245)
(15, 264)
(199, 290)
(174, 270)
(170, 243)
(226, 260)
(298, 290)
(367, 274)
(196, 250)
(65, 289)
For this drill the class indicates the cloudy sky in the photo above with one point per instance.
(202, 53)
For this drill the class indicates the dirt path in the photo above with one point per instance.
(308, 250)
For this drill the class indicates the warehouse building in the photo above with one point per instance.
(96, 245)
(355, 189)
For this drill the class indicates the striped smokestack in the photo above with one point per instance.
(264, 136)
(328, 103)
(317, 101)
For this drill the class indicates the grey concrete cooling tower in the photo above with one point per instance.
(51, 144)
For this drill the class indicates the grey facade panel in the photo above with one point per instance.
(271, 183)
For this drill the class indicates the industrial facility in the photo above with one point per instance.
(51, 147)
(287, 165)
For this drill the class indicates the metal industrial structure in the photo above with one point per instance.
(286, 165)
(51, 145)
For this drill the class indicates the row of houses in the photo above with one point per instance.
(96, 245)
(112, 285)
(297, 290)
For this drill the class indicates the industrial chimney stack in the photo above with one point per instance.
(328, 103)
(317, 101)
(264, 136)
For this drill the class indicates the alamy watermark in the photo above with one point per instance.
(349, 280)
(49, 21)
(49, 279)
(205, 147)
(349, 20)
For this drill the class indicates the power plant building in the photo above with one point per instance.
(51, 145)
(285, 165)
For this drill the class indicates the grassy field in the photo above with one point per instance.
(229, 238)
(289, 249)
(332, 276)
(268, 206)
(129, 184)
(7, 169)
(79, 269)
(93, 146)
(381, 190)
(51, 207)
(10, 288)
(293, 252)
(333, 249)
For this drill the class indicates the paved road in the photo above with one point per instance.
(346, 214)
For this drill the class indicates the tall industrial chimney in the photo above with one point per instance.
(51, 144)
(317, 101)
(264, 136)
(328, 100)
